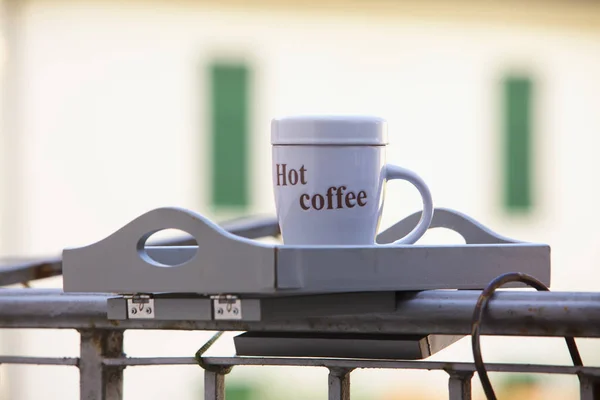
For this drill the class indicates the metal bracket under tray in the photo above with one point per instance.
(373, 346)
(194, 307)
(289, 344)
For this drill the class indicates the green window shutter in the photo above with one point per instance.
(229, 97)
(518, 146)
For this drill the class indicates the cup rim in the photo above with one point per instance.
(329, 130)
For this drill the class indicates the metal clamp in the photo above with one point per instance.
(140, 306)
(227, 307)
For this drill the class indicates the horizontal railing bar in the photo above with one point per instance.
(26, 292)
(408, 364)
(511, 295)
(521, 313)
(148, 361)
(312, 362)
(20, 271)
(74, 361)
(353, 363)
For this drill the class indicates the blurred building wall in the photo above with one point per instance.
(113, 118)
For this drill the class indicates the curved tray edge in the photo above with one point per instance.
(470, 229)
(120, 263)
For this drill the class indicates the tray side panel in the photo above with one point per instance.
(408, 267)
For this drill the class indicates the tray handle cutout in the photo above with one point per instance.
(167, 256)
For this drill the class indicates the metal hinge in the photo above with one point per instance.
(140, 306)
(227, 307)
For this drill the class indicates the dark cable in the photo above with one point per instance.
(482, 303)
(219, 369)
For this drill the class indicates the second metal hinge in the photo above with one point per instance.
(227, 307)
(140, 306)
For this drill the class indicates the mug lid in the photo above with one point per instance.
(329, 130)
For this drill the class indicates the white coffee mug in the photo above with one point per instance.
(329, 177)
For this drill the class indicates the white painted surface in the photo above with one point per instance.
(113, 118)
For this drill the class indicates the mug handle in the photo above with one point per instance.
(394, 172)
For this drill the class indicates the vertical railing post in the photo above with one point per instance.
(214, 375)
(97, 382)
(589, 387)
(214, 384)
(339, 383)
(459, 385)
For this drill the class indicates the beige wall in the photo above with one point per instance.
(112, 118)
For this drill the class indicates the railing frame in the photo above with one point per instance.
(102, 359)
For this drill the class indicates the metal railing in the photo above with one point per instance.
(102, 358)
